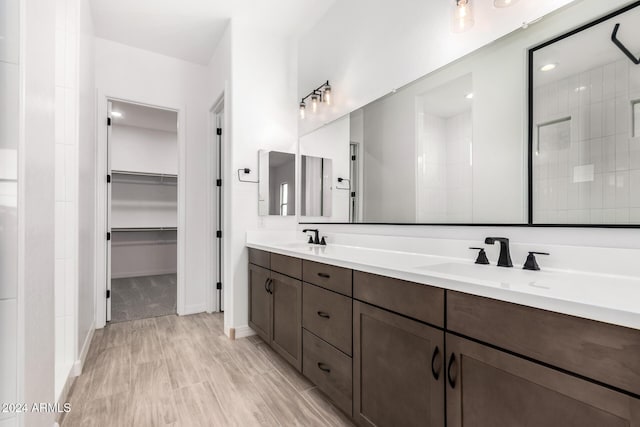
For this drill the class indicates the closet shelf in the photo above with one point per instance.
(138, 177)
(139, 229)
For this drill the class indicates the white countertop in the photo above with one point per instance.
(606, 298)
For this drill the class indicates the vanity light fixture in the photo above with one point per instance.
(548, 67)
(462, 16)
(116, 114)
(504, 3)
(322, 94)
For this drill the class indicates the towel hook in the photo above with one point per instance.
(623, 48)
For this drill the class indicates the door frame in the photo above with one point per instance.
(217, 203)
(101, 192)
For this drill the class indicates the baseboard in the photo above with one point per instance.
(79, 364)
(194, 309)
(243, 331)
(143, 273)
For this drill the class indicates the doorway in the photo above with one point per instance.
(142, 211)
(217, 115)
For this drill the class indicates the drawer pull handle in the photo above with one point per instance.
(324, 367)
(450, 378)
(324, 275)
(323, 314)
(436, 373)
(270, 286)
(266, 285)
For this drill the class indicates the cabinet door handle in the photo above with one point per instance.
(436, 373)
(323, 314)
(271, 286)
(266, 285)
(324, 275)
(324, 367)
(451, 379)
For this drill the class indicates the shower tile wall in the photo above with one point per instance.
(444, 169)
(600, 104)
(9, 120)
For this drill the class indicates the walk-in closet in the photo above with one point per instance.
(142, 212)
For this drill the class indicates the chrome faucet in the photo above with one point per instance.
(504, 260)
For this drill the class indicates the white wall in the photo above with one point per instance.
(86, 188)
(263, 115)
(137, 75)
(144, 150)
(9, 129)
(395, 43)
(331, 142)
(66, 188)
(367, 48)
(36, 202)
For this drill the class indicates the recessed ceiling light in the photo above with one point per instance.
(548, 67)
(116, 114)
(504, 3)
(469, 95)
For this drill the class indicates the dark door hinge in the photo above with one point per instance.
(108, 179)
(108, 235)
(353, 194)
(218, 183)
(219, 234)
(218, 131)
(219, 285)
(353, 157)
(108, 121)
(108, 293)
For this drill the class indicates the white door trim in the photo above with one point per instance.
(101, 201)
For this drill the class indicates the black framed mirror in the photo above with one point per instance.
(584, 125)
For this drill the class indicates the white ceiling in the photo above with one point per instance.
(191, 29)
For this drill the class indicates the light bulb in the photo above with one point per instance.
(462, 16)
(116, 114)
(504, 3)
(327, 94)
(303, 107)
(548, 67)
(314, 103)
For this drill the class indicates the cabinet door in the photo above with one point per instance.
(398, 370)
(286, 338)
(487, 387)
(260, 301)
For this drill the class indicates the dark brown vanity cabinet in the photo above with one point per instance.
(398, 370)
(275, 303)
(489, 387)
(381, 350)
(260, 308)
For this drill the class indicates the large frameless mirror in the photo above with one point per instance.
(277, 183)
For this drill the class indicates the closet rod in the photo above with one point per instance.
(160, 175)
(139, 229)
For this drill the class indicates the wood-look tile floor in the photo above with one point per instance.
(183, 371)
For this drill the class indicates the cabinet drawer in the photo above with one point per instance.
(329, 369)
(603, 352)
(287, 265)
(328, 315)
(337, 279)
(260, 258)
(420, 302)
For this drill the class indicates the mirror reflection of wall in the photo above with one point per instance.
(276, 187)
(322, 196)
(586, 152)
(315, 186)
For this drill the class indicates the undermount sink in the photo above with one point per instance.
(295, 245)
(490, 274)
